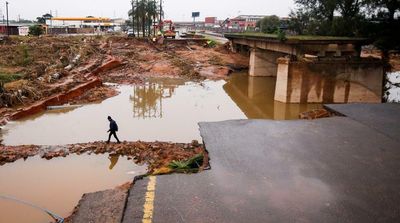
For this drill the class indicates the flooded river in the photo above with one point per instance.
(162, 109)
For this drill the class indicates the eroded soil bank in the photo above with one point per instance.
(155, 155)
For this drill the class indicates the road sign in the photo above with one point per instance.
(195, 14)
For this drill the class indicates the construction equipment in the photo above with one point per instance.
(168, 29)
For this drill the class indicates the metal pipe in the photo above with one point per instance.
(57, 218)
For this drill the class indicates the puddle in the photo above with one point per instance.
(58, 184)
(163, 110)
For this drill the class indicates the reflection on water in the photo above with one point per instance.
(148, 98)
(58, 184)
(255, 97)
(162, 109)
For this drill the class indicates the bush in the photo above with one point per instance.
(36, 30)
(269, 24)
(281, 36)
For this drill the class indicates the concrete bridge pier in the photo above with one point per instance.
(329, 81)
(263, 63)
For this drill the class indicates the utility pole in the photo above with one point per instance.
(154, 18)
(161, 10)
(8, 24)
(137, 19)
(133, 17)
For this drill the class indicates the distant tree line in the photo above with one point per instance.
(374, 19)
(143, 15)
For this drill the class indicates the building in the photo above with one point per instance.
(23, 30)
(210, 21)
(98, 23)
(13, 28)
(245, 22)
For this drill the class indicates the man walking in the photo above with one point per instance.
(113, 130)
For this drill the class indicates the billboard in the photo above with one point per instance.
(195, 14)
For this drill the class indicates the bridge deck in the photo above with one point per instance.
(298, 39)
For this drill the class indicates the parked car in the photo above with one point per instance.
(131, 33)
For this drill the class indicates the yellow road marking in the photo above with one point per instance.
(149, 202)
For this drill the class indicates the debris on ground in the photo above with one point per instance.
(315, 114)
(155, 155)
(34, 69)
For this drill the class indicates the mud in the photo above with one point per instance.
(96, 95)
(52, 66)
(155, 155)
(316, 114)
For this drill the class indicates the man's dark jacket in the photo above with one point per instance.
(113, 126)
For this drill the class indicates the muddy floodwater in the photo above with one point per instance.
(162, 109)
(58, 184)
(159, 110)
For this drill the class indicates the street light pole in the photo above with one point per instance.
(8, 25)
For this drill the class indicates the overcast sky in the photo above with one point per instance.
(178, 10)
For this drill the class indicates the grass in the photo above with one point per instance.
(23, 57)
(192, 163)
(297, 37)
(7, 78)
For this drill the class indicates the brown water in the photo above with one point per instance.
(58, 184)
(163, 109)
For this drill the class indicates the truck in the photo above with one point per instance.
(168, 29)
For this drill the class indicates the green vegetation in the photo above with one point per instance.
(211, 43)
(190, 164)
(281, 36)
(42, 19)
(22, 57)
(269, 24)
(36, 30)
(373, 19)
(6, 78)
(296, 37)
(143, 14)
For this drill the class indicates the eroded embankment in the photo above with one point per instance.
(156, 155)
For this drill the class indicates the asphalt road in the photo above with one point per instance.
(328, 170)
(384, 118)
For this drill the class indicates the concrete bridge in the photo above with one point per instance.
(313, 69)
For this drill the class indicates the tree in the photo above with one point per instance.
(44, 18)
(322, 10)
(36, 30)
(144, 14)
(385, 8)
(269, 24)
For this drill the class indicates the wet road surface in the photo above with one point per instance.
(384, 118)
(328, 170)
